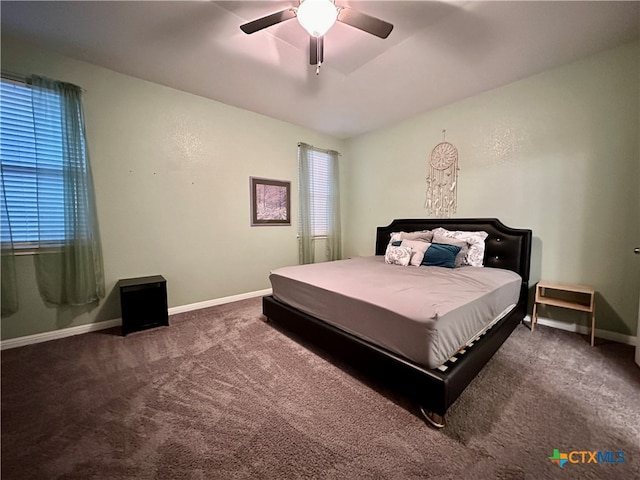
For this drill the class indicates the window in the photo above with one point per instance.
(319, 197)
(319, 188)
(47, 195)
(32, 171)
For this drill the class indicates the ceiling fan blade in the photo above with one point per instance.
(264, 22)
(316, 50)
(365, 22)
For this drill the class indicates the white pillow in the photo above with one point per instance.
(422, 235)
(397, 255)
(475, 240)
(417, 250)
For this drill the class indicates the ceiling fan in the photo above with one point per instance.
(317, 17)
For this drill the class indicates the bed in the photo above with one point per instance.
(353, 307)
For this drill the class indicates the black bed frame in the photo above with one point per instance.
(435, 390)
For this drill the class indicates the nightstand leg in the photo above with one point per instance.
(534, 317)
(593, 327)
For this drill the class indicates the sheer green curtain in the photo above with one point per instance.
(305, 233)
(70, 273)
(9, 288)
(334, 231)
(319, 198)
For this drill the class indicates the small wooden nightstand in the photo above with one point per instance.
(582, 298)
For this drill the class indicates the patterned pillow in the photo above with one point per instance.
(397, 255)
(417, 250)
(475, 255)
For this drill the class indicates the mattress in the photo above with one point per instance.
(424, 314)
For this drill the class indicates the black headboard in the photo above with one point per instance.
(505, 247)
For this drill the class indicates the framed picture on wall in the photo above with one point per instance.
(270, 202)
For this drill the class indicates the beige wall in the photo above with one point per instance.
(171, 173)
(557, 153)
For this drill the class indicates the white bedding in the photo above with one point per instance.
(424, 314)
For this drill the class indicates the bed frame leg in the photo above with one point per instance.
(433, 419)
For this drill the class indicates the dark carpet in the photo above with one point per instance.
(221, 394)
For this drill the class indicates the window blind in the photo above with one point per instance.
(32, 171)
(320, 191)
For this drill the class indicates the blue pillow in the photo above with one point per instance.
(440, 255)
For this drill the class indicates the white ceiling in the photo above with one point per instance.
(437, 53)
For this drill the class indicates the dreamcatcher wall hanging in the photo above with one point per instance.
(442, 181)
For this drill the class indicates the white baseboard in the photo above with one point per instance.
(92, 327)
(218, 301)
(116, 322)
(584, 330)
(56, 334)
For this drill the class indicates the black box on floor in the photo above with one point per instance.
(144, 303)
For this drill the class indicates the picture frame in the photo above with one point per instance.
(270, 201)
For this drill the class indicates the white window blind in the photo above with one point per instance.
(320, 191)
(32, 171)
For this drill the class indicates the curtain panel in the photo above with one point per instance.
(72, 274)
(334, 231)
(306, 252)
(9, 298)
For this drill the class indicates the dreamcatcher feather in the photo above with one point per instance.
(442, 181)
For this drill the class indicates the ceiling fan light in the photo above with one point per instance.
(317, 16)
